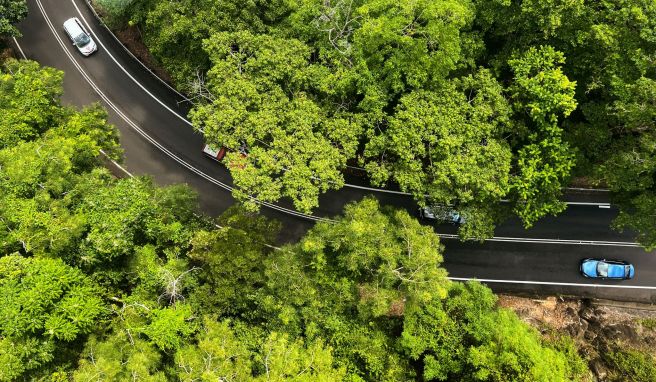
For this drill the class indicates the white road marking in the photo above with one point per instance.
(115, 163)
(93, 10)
(150, 139)
(19, 48)
(134, 126)
(125, 71)
(551, 241)
(587, 189)
(552, 283)
(270, 205)
(365, 188)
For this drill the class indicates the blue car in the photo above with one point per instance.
(607, 269)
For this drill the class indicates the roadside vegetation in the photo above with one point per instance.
(11, 12)
(458, 102)
(634, 365)
(108, 279)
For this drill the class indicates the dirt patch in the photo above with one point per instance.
(550, 312)
(597, 327)
(585, 182)
(6, 52)
(131, 38)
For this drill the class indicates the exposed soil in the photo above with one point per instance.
(597, 327)
(131, 38)
(6, 52)
(585, 182)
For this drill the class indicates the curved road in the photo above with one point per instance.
(159, 142)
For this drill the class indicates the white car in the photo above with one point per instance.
(80, 37)
(213, 153)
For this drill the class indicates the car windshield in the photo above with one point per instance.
(602, 269)
(81, 40)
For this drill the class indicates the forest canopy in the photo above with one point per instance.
(463, 103)
(114, 279)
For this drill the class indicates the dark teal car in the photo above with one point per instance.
(442, 214)
(607, 269)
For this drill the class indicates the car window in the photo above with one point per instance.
(602, 269)
(81, 40)
(627, 270)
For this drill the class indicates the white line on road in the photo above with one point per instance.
(553, 283)
(153, 141)
(600, 205)
(115, 163)
(365, 188)
(270, 205)
(447, 236)
(586, 189)
(125, 70)
(550, 241)
(19, 48)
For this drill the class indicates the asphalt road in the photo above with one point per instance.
(160, 143)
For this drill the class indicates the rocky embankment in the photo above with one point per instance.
(600, 329)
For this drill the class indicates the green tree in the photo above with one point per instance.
(144, 326)
(119, 357)
(386, 252)
(223, 353)
(408, 45)
(630, 168)
(281, 359)
(131, 212)
(174, 32)
(446, 147)
(44, 304)
(350, 283)
(258, 90)
(169, 326)
(516, 25)
(632, 365)
(232, 259)
(115, 11)
(638, 214)
(465, 337)
(48, 155)
(19, 356)
(29, 99)
(11, 12)
(542, 94)
(36, 179)
(218, 355)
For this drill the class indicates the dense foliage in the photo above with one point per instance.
(106, 279)
(458, 102)
(11, 12)
(632, 365)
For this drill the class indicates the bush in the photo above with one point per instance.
(115, 12)
(632, 365)
(649, 323)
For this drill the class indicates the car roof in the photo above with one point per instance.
(72, 25)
